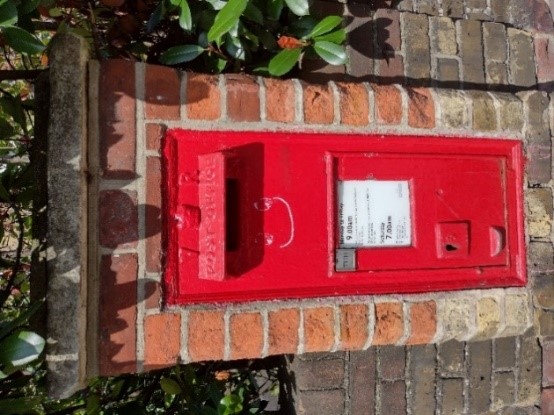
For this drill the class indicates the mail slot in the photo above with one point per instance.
(266, 215)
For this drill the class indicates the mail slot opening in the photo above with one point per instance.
(232, 214)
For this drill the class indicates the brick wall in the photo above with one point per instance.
(475, 68)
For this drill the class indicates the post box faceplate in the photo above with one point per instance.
(252, 215)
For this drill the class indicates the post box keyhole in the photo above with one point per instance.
(451, 247)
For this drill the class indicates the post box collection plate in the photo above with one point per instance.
(274, 215)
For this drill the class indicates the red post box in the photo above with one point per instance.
(260, 215)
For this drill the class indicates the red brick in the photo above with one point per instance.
(283, 331)
(117, 119)
(206, 335)
(118, 218)
(318, 104)
(354, 105)
(154, 135)
(388, 103)
(421, 108)
(279, 100)
(423, 322)
(247, 336)
(243, 98)
(354, 320)
(548, 362)
(547, 401)
(153, 222)
(203, 98)
(162, 340)
(393, 67)
(389, 323)
(152, 294)
(117, 313)
(544, 57)
(162, 93)
(319, 329)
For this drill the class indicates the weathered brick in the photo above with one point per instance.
(354, 321)
(162, 93)
(206, 335)
(496, 73)
(283, 331)
(510, 111)
(423, 322)
(280, 100)
(117, 314)
(427, 7)
(471, 41)
(544, 56)
(392, 362)
(546, 321)
(500, 10)
(484, 111)
(540, 257)
(477, 10)
(117, 119)
(456, 318)
(539, 161)
(152, 294)
(422, 377)
(454, 109)
(421, 108)
(393, 397)
(443, 35)
(388, 104)
(318, 374)
(118, 214)
(547, 401)
(359, 49)
(153, 215)
(521, 61)
(505, 349)
(417, 44)
(326, 402)
(516, 313)
(387, 32)
(362, 382)
(448, 70)
(453, 8)
(529, 369)
(404, 5)
(316, 70)
(318, 104)
(539, 209)
(452, 396)
(392, 67)
(538, 118)
(479, 374)
(495, 41)
(548, 362)
(354, 104)
(243, 97)
(451, 358)
(162, 340)
(247, 335)
(154, 135)
(488, 318)
(543, 290)
(319, 331)
(389, 323)
(203, 98)
(503, 389)
(532, 15)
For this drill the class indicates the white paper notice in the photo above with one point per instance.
(374, 213)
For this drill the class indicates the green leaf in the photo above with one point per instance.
(170, 386)
(274, 9)
(8, 14)
(22, 41)
(4, 195)
(325, 26)
(20, 348)
(338, 37)
(253, 13)
(330, 52)
(235, 48)
(185, 17)
(217, 4)
(299, 7)
(230, 404)
(22, 319)
(226, 19)
(284, 61)
(156, 17)
(23, 405)
(28, 6)
(181, 54)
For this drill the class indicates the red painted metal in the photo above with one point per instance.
(255, 215)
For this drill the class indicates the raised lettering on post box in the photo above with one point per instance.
(257, 216)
